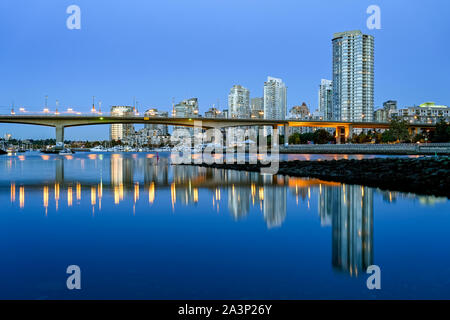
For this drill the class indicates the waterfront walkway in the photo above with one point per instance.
(395, 149)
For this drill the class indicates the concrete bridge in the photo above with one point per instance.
(59, 122)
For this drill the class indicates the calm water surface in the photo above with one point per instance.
(139, 227)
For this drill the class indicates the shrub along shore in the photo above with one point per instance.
(426, 175)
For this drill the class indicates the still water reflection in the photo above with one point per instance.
(140, 227)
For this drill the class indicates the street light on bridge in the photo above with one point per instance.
(57, 104)
(93, 105)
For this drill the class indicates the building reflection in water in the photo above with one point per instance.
(13, 192)
(274, 197)
(69, 196)
(45, 199)
(184, 188)
(121, 170)
(239, 194)
(22, 196)
(348, 209)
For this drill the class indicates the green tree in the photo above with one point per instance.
(387, 136)
(418, 138)
(322, 136)
(442, 132)
(301, 138)
(399, 129)
(362, 137)
(294, 138)
(306, 137)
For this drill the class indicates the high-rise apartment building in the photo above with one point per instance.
(239, 102)
(326, 100)
(353, 76)
(121, 131)
(275, 100)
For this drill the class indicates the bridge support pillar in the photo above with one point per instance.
(343, 133)
(348, 132)
(338, 134)
(275, 133)
(286, 135)
(59, 137)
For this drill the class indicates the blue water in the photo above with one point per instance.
(140, 228)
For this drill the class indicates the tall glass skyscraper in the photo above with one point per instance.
(353, 76)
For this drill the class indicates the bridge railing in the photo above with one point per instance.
(52, 113)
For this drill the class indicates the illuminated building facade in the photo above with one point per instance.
(121, 131)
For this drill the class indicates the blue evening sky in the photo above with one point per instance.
(160, 50)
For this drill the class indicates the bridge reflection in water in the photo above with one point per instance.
(347, 209)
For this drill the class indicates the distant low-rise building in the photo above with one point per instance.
(186, 109)
(427, 112)
(257, 108)
(385, 114)
(148, 137)
(257, 104)
(379, 115)
(160, 129)
(225, 113)
(213, 113)
(390, 106)
(299, 112)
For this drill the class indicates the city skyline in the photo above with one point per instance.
(192, 154)
(61, 66)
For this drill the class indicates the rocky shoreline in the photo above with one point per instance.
(425, 175)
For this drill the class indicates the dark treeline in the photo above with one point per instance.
(397, 133)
